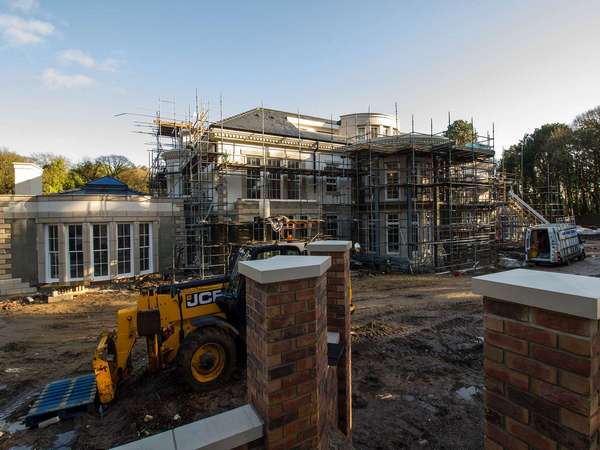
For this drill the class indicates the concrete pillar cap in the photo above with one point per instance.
(329, 246)
(575, 295)
(285, 268)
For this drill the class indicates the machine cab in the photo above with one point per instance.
(233, 301)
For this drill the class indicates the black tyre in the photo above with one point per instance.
(206, 359)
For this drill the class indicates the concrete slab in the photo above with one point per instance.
(285, 268)
(329, 246)
(160, 441)
(224, 431)
(565, 293)
(333, 337)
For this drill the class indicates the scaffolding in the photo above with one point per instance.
(232, 194)
(417, 202)
(424, 203)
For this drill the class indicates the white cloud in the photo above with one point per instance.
(18, 31)
(24, 6)
(55, 79)
(76, 56)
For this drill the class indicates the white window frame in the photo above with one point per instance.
(389, 223)
(92, 259)
(68, 251)
(389, 168)
(332, 219)
(150, 249)
(130, 273)
(49, 278)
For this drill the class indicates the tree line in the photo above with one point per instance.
(559, 158)
(60, 174)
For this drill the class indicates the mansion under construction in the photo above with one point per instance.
(412, 201)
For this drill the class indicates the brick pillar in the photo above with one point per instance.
(541, 360)
(287, 348)
(338, 320)
(5, 253)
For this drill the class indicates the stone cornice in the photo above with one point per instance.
(229, 135)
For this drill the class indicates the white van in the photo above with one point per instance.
(553, 243)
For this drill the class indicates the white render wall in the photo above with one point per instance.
(28, 179)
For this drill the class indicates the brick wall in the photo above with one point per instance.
(541, 378)
(287, 360)
(338, 319)
(5, 254)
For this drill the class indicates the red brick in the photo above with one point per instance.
(506, 342)
(503, 373)
(506, 408)
(561, 396)
(506, 309)
(305, 341)
(563, 322)
(493, 323)
(532, 403)
(562, 360)
(532, 437)
(504, 439)
(561, 434)
(292, 308)
(491, 445)
(531, 367)
(305, 317)
(493, 353)
(531, 334)
(493, 385)
(575, 383)
(581, 424)
(575, 345)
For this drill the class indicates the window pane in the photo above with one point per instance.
(123, 248)
(52, 246)
(145, 245)
(75, 250)
(100, 249)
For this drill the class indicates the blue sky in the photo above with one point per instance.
(69, 67)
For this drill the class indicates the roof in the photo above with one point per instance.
(276, 123)
(103, 186)
(425, 142)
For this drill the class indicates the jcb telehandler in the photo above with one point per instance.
(197, 325)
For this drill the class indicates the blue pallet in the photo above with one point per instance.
(63, 398)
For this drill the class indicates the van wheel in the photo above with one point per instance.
(206, 359)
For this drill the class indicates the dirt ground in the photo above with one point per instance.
(417, 367)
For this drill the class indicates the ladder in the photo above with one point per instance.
(524, 206)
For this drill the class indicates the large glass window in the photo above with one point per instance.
(331, 223)
(100, 249)
(392, 188)
(253, 178)
(75, 251)
(393, 233)
(374, 132)
(52, 252)
(293, 178)
(360, 131)
(124, 249)
(330, 180)
(145, 247)
(274, 175)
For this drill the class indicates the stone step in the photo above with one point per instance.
(10, 282)
(23, 290)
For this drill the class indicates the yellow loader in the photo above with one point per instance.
(199, 326)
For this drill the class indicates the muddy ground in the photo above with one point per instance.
(417, 367)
